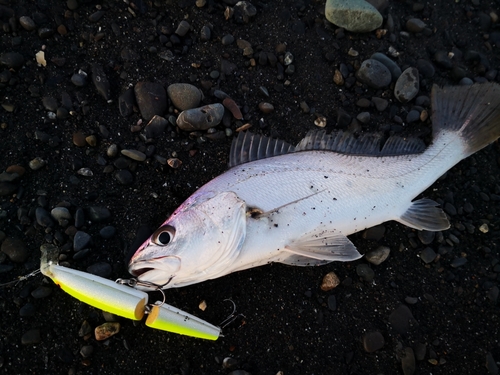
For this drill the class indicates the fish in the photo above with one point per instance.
(297, 205)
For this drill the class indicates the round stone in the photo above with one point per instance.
(201, 118)
(184, 96)
(407, 85)
(365, 272)
(373, 341)
(374, 74)
(15, 249)
(330, 281)
(378, 255)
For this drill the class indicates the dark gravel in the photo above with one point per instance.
(107, 69)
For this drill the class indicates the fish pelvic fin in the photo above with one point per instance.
(318, 248)
(424, 214)
(471, 111)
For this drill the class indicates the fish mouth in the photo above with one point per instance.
(154, 273)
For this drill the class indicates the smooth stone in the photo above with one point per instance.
(266, 108)
(441, 57)
(124, 177)
(379, 255)
(126, 102)
(244, 11)
(183, 28)
(151, 99)
(98, 214)
(332, 303)
(85, 329)
(426, 237)
(201, 118)
(15, 249)
(415, 25)
(412, 116)
(37, 163)
(156, 127)
(458, 262)
(390, 64)
(43, 218)
(27, 23)
(101, 269)
(428, 255)
(106, 330)
(353, 15)
(375, 233)
(373, 341)
(330, 281)
(107, 232)
(227, 39)
(401, 318)
(49, 103)
(81, 240)
(408, 362)
(27, 310)
(41, 292)
(86, 351)
(101, 81)
(365, 272)
(205, 34)
(374, 74)
(12, 60)
(96, 16)
(31, 337)
(79, 218)
(184, 96)
(426, 68)
(79, 79)
(407, 85)
(134, 155)
(60, 214)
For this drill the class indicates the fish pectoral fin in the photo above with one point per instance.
(425, 215)
(319, 248)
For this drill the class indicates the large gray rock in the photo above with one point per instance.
(353, 15)
(374, 74)
(201, 118)
(184, 96)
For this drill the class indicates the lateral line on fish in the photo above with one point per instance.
(267, 213)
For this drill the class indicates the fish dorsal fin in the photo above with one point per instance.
(320, 247)
(248, 147)
(366, 144)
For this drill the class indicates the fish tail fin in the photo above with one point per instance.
(473, 112)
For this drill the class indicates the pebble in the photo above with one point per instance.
(85, 329)
(407, 85)
(151, 99)
(101, 269)
(81, 240)
(27, 23)
(124, 177)
(244, 11)
(374, 74)
(86, 351)
(41, 292)
(425, 68)
(79, 139)
(363, 117)
(266, 108)
(458, 262)
(426, 237)
(61, 214)
(79, 79)
(330, 281)
(365, 272)
(390, 64)
(375, 233)
(27, 310)
(491, 364)
(332, 302)
(134, 154)
(378, 255)
(413, 116)
(96, 16)
(12, 60)
(428, 255)
(401, 318)
(79, 218)
(112, 150)
(441, 57)
(415, 25)
(43, 218)
(231, 105)
(156, 127)
(15, 249)
(49, 103)
(107, 232)
(201, 118)
(408, 362)
(126, 103)
(31, 337)
(227, 39)
(205, 34)
(37, 163)
(106, 330)
(101, 81)
(91, 140)
(353, 15)
(184, 95)
(183, 28)
(373, 341)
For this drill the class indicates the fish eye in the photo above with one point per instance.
(163, 235)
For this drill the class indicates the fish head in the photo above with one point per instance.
(200, 241)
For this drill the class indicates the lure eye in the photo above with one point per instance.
(163, 235)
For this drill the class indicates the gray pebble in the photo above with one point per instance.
(101, 269)
(401, 318)
(183, 28)
(374, 74)
(415, 25)
(79, 218)
(81, 254)
(441, 57)
(412, 116)
(354, 15)
(332, 302)
(184, 96)
(365, 272)
(201, 118)
(156, 127)
(408, 362)
(205, 34)
(428, 255)
(227, 39)
(244, 11)
(426, 68)
(134, 155)
(101, 81)
(107, 232)
(375, 233)
(458, 262)
(41, 292)
(122, 163)
(61, 214)
(79, 79)
(27, 23)
(112, 150)
(373, 341)
(27, 310)
(426, 237)
(407, 85)
(124, 177)
(49, 103)
(31, 337)
(126, 102)
(411, 300)
(363, 117)
(12, 60)
(37, 163)
(43, 218)
(86, 351)
(151, 99)
(390, 64)
(378, 255)
(96, 16)
(81, 240)
(15, 249)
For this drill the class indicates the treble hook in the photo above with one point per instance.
(232, 317)
(138, 283)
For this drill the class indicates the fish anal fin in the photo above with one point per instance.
(320, 247)
(425, 215)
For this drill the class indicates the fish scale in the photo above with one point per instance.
(297, 204)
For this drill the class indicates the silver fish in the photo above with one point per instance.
(297, 204)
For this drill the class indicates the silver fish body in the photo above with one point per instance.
(297, 205)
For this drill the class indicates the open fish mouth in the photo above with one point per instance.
(157, 271)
